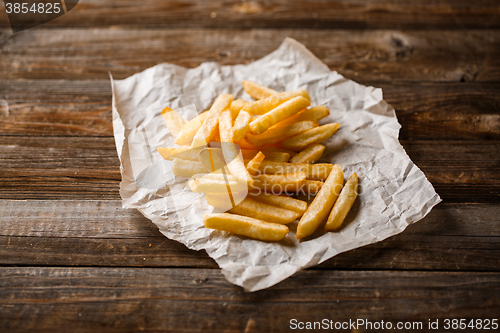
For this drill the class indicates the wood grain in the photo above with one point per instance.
(427, 111)
(449, 14)
(101, 233)
(366, 55)
(72, 258)
(119, 299)
(88, 168)
(445, 111)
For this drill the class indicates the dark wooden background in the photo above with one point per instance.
(72, 259)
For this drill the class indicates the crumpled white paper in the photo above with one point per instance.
(393, 191)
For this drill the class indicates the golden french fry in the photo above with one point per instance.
(207, 130)
(212, 159)
(322, 203)
(236, 106)
(256, 90)
(262, 211)
(298, 206)
(188, 131)
(243, 144)
(315, 135)
(231, 153)
(254, 163)
(315, 113)
(225, 200)
(318, 171)
(275, 149)
(241, 123)
(283, 111)
(225, 126)
(270, 155)
(277, 134)
(187, 168)
(279, 183)
(246, 226)
(263, 106)
(235, 163)
(343, 204)
(216, 183)
(310, 187)
(276, 156)
(173, 120)
(215, 137)
(310, 154)
(185, 153)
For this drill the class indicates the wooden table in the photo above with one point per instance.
(73, 260)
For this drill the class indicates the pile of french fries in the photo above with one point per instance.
(252, 158)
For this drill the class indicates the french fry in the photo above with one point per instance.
(279, 183)
(241, 123)
(231, 153)
(262, 211)
(310, 154)
(246, 226)
(343, 204)
(173, 120)
(315, 113)
(185, 153)
(263, 106)
(275, 149)
(212, 159)
(235, 163)
(322, 203)
(225, 126)
(318, 171)
(215, 137)
(240, 163)
(276, 156)
(236, 106)
(225, 201)
(277, 134)
(187, 168)
(298, 206)
(256, 90)
(315, 135)
(270, 155)
(285, 110)
(207, 130)
(216, 183)
(188, 131)
(310, 187)
(254, 163)
(243, 144)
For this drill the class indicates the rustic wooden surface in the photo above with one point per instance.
(71, 257)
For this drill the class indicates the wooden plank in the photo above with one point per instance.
(100, 233)
(376, 55)
(137, 299)
(48, 168)
(445, 111)
(450, 14)
(56, 107)
(433, 111)
(88, 168)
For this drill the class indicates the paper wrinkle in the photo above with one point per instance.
(393, 191)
